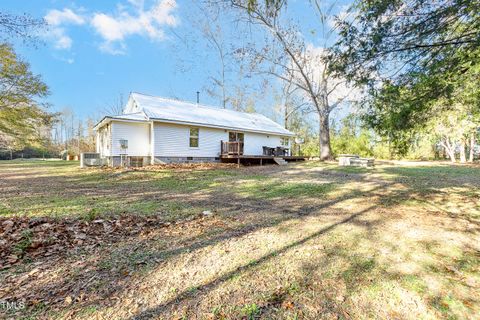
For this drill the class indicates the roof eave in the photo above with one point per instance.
(99, 123)
(111, 118)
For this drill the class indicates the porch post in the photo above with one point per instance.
(152, 143)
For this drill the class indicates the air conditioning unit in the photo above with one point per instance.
(90, 159)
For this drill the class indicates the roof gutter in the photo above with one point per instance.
(110, 118)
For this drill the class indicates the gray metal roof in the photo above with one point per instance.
(139, 116)
(158, 108)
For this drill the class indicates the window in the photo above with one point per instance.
(194, 137)
(235, 137)
(123, 144)
(284, 141)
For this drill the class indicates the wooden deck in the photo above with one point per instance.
(232, 152)
(243, 156)
(256, 159)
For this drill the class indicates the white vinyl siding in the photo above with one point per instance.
(137, 134)
(284, 141)
(254, 143)
(172, 140)
(131, 106)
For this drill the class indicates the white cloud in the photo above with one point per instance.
(109, 28)
(67, 60)
(129, 19)
(66, 16)
(113, 48)
(56, 19)
(137, 3)
(60, 39)
(114, 29)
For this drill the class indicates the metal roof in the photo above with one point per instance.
(135, 116)
(139, 116)
(169, 110)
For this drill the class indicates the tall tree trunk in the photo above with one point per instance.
(449, 149)
(390, 154)
(472, 147)
(463, 157)
(224, 95)
(324, 138)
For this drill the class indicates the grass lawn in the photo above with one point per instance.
(305, 241)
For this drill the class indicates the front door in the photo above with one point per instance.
(235, 140)
(235, 136)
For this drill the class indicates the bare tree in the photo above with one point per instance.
(90, 136)
(213, 34)
(72, 134)
(244, 98)
(23, 26)
(115, 107)
(290, 101)
(207, 36)
(287, 57)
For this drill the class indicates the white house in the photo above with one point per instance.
(159, 130)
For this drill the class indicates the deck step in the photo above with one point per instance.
(280, 161)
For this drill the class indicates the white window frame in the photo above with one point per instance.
(190, 137)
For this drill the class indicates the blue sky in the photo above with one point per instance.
(95, 50)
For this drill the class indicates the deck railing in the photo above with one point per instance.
(232, 148)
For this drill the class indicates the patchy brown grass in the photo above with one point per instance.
(307, 241)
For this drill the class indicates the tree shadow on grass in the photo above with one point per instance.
(435, 176)
(187, 294)
(149, 260)
(235, 206)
